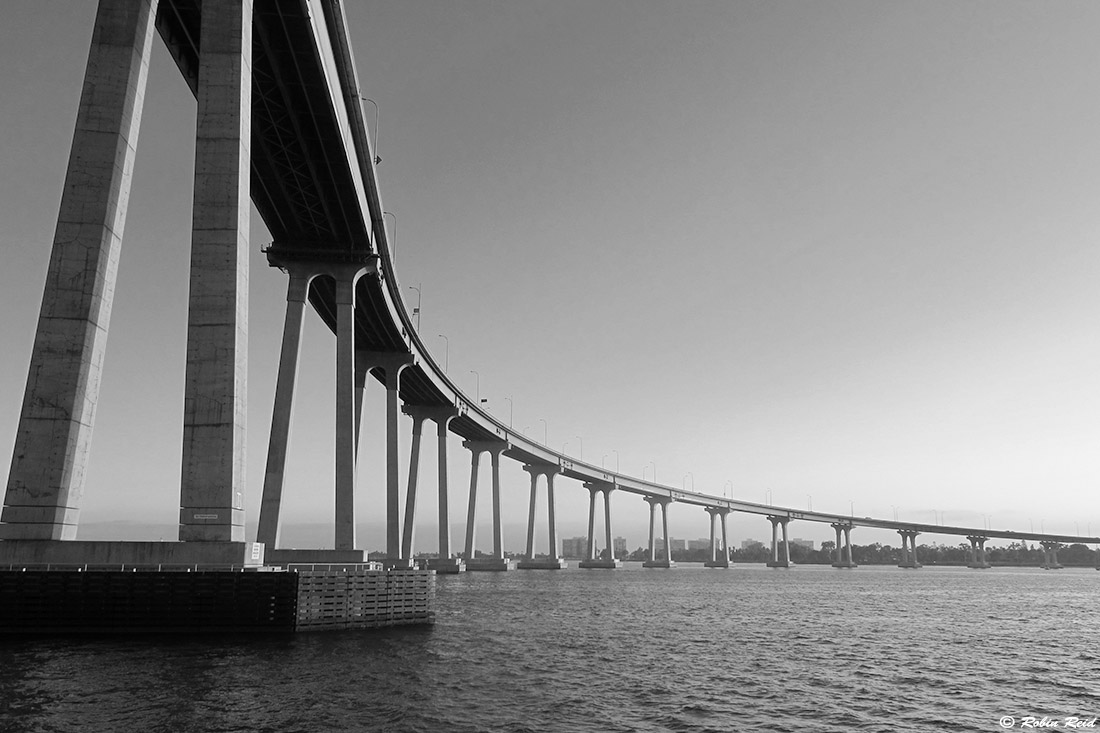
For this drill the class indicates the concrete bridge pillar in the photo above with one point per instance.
(591, 559)
(1050, 555)
(46, 481)
(215, 401)
(843, 553)
(776, 561)
(390, 364)
(497, 562)
(715, 561)
(977, 552)
(553, 560)
(442, 416)
(908, 548)
(653, 562)
(345, 277)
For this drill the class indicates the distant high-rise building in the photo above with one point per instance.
(808, 544)
(620, 546)
(699, 544)
(749, 544)
(574, 547)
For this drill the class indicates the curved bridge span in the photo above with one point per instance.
(281, 125)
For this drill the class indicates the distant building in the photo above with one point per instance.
(749, 544)
(699, 544)
(808, 544)
(620, 546)
(574, 547)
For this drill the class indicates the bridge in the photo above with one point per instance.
(281, 126)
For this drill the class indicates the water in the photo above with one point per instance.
(688, 649)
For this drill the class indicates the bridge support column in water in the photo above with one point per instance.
(715, 560)
(977, 552)
(908, 548)
(46, 482)
(303, 270)
(1050, 555)
(391, 364)
(591, 560)
(215, 400)
(843, 552)
(497, 562)
(776, 561)
(653, 561)
(445, 562)
(553, 560)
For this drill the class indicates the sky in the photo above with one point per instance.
(838, 255)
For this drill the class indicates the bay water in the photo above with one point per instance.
(681, 649)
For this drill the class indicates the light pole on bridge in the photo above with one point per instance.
(446, 352)
(689, 473)
(393, 244)
(545, 440)
(416, 310)
(511, 406)
(477, 378)
(730, 484)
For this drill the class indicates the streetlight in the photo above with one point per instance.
(684, 482)
(895, 512)
(768, 497)
(563, 447)
(580, 447)
(851, 508)
(809, 503)
(416, 310)
(446, 352)
(730, 484)
(545, 441)
(644, 468)
(616, 459)
(654, 463)
(510, 408)
(478, 383)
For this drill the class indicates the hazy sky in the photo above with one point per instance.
(839, 250)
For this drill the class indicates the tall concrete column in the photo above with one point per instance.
(46, 482)
(1050, 555)
(531, 513)
(410, 494)
(590, 553)
(391, 364)
(498, 524)
(497, 562)
(716, 561)
(977, 551)
(652, 526)
(653, 562)
(607, 523)
(776, 561)
(283, 411)
(838, 553)
(345, 414)
(471, 514)
(593, 558)
(848, 546)
(441, 422)
(908, 548)
(552, 527)
(214, 408)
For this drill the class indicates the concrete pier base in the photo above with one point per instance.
(40, 553)
(780, 564)
(447, 565)
(491, 564)
(658, 564)
(910, 564)
(284, 557)
(716, 564)
(845, 564)
(606, 564)
(545, 563)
